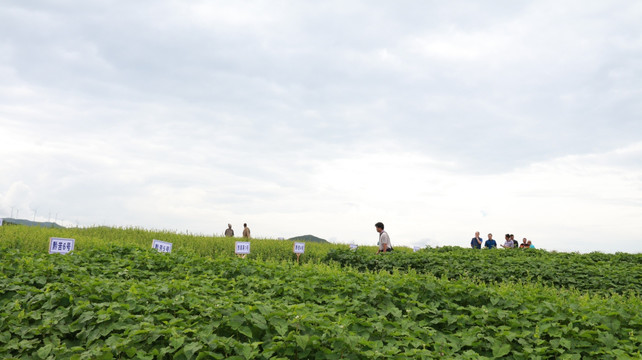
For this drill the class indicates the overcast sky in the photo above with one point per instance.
(437, 118)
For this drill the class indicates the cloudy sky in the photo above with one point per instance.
(437, 118)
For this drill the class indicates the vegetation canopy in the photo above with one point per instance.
(116, 298)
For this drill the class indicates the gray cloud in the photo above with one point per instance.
(229, 109)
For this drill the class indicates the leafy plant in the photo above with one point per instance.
(126, 302)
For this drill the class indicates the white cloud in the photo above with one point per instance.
(438, 119)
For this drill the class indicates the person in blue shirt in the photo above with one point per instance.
(490, 243)
(476, 242)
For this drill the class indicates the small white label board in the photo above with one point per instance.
(416, 248)
(162, 246)
(299, 248)
(353, 247)
(61, 245)
(242, 247)
(1, 221)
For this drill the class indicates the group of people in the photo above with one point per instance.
(230, 233)
(510, 243)
(476, 243)
(385, 246)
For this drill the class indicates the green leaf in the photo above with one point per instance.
(177, 342)
(500, 350)
(44, 351)
(303, 341)
(191, 349)
(280, 325)
(245, 330)
(236, 321)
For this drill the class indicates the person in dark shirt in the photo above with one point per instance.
(515, 242)
(476, 242)
(490, 243)
(229, 232)
(524, 244)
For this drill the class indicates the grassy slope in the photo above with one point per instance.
(37, 239)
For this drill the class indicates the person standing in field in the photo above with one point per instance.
(524, 244)
(490, 243)
(509, 243)
(515, 242)
(476, 242)
(229, 232)
(384, 239)
(246, 231)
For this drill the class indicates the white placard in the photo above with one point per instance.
(61, 245)
(281, 238)
(162, 246)
(1, 221)
(416, 248)
(242, 247)
(353, 247)
(299, 248)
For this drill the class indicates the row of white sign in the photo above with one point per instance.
(63, 246)
(243, 248)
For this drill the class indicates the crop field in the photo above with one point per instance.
(594, 272)
(37, 239)
(116, 298)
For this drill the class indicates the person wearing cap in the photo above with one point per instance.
(490, 243)
(384, 239)
(246, 231)
(476, 242)
(229, 232)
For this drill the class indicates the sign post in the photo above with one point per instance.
(416, 248)
(61, 245)
(298, 248)
(162, 246)
(353, 247)
(242, 248)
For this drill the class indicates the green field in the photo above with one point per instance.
(37, 239)
(593, 273)
(116, 298)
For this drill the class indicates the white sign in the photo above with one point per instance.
(60, 245)
(1, 220)
(242, 247)
(416, 248)
(162, 246)
(353, 247)
(299, 248)
(281, 238)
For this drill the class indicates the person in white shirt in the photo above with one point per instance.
(509, 243)
(384, 239)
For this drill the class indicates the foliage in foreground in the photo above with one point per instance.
(126, 302)
(594, 272)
